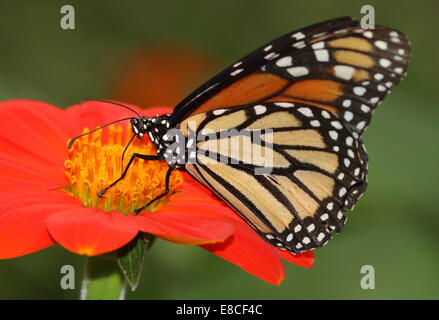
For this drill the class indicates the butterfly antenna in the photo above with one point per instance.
(105, 125)
(126, 148)
(115, 103)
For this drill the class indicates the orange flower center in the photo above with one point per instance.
(95, 161)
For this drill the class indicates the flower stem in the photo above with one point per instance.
(103, 279)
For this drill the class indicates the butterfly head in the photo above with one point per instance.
(141, 126)
(155, 127)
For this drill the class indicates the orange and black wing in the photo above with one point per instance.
(315, 89)
(335, 65)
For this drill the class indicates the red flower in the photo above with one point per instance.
(48, 193)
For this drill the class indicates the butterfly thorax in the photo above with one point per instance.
(156, 129)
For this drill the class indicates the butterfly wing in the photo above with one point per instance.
(335, 65)
(316, 89)
(293, 183)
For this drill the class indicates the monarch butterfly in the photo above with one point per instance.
(315, 89)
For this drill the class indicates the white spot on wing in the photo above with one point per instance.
(340, 31)
(365, 108)
(378, 76)
(351, 153)
(342, 192)
(347, 103)
(299, 45)
(336, 124)
(318, 45)
(285, 62)
(374, 100)
(325, 114)
(333, 134)
(237, 71)
(368, 34)
(385, 62)
(284, 104)
(298, 71)
(298, 35)
(270, 56)
(361, 125)
(260, 109)
(348, 116)
(217, 112)
(380, 44)
(322, 55)
(359, 91)
(305, 111)
(320, 34)
(344, 72)
(315, 123)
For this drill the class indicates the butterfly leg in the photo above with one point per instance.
(167, 181)
(133, 157)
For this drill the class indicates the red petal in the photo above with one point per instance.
(191, 228)
(33, 164)
(245, 248)
(248, 251)
(23, 220)
(196, 197)
(91, 231)
(92, 114)
(21, 174)
(21, 154)
(152, 111)
(305, 259)
(36, 127)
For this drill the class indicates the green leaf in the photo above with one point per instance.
(130, 258)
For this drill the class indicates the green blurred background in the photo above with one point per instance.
(393, 228)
